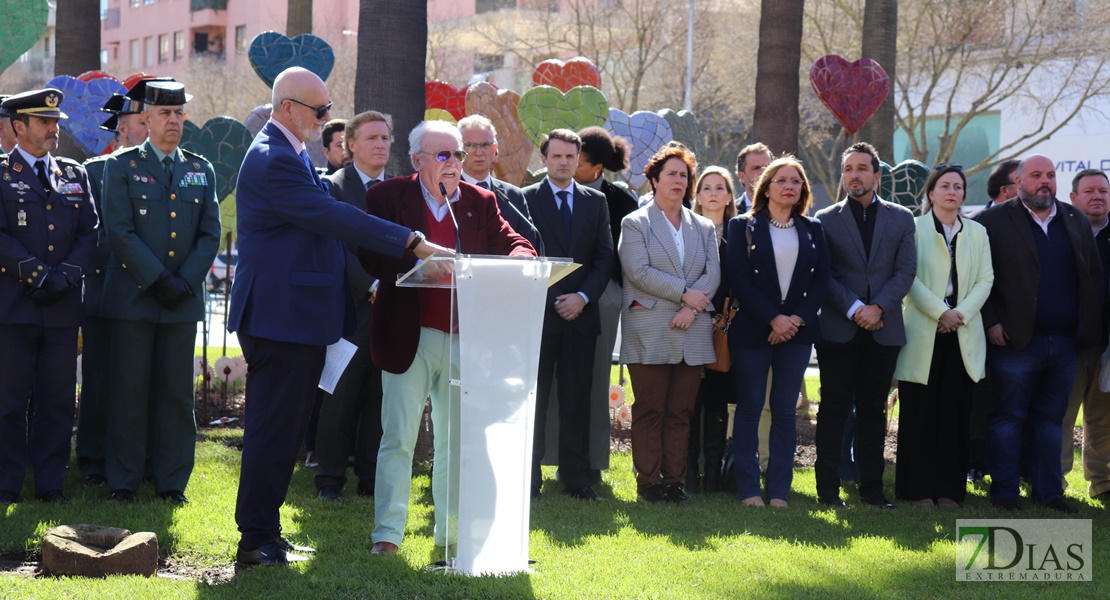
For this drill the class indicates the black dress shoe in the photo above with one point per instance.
(288, 546)
(8, 497)
(53, 497)
(831, 502)
(267, 554)
(174, 496)
(652, 494)
(122, 496)
(1060, 505)
(95, 480)
(879, 501)
(584, 493)
(366, 491)
(328, 492)
(974, 475)
(673, 493)
(1008, 504)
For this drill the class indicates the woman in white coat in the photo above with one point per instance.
(945, 351)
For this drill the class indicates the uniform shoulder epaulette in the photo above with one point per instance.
(67, 161)
(193, 154)
(100, 158)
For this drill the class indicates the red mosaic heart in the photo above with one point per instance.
(566, 75)
(852, 91)
(88, 76)
(445, 96)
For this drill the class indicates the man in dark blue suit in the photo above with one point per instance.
(47, 240)
(575, 222)
(290, 299)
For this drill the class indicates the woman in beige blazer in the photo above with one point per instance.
(945, 351)
(671, 269)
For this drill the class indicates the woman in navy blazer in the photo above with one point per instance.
(778, 266)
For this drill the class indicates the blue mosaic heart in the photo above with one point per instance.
(271, 53)
(82, 103)
(646, 132)
(223, 141)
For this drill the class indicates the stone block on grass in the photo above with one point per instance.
(96, 551)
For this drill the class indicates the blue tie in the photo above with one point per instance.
(564, 210)
(307, 161)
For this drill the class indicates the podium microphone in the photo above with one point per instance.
(451, 211)
(527, 219)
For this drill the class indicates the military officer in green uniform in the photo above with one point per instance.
(163, 228)
(47, 241)
(127, 123)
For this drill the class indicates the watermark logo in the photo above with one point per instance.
(1023, 550)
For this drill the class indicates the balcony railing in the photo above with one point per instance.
(199, 5)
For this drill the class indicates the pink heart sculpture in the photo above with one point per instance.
(445, 96)
(852, 91)
(514, 148)
(566, 75)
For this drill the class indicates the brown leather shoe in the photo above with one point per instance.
(384, 548)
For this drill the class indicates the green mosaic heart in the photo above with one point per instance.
(21, 28)
(544, 108)
(904, 184)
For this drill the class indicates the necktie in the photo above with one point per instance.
(564, 210)
(483, 185)
(40, 170)
(372, 183)
(167, 164)
(307, 161)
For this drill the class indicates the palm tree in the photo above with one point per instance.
(298, 17)
(389, 77)
(78, 23)
(880, 43)
(776, 82)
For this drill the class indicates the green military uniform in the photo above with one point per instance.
(158, 225)
(91, 425)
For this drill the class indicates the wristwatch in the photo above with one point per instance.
(417, 237)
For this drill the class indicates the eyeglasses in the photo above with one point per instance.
(943, 166)
(320, 110)
(470, 147)
(793, 181)
(444, 156)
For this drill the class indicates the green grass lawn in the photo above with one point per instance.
(617, 548)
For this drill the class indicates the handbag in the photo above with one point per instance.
(721, 322)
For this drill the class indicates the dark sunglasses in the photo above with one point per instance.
(460, 155)
(943, 166)
(320, 110)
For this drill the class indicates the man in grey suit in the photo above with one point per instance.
(574, 220)
(351, 419)
(480, 142)
(874, 260)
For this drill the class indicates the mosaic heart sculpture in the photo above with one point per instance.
(257, 119)
(852, 91)
(566, 75)
(136, 78)
(544, 108)
(904, 184)
(82, 104)
(444, 96)
(686, 129)
(646, 132)
(271, 52)
(223, 141)
(438, 114)
(24, 23)
(96, 74)
(514, 149)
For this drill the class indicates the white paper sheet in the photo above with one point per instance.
(339, 354)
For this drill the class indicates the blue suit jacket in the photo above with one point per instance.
(291, 280)
(755, 280)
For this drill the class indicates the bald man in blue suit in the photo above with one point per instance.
(290, 300)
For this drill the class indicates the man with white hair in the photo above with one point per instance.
(290, 299)
(412, 339)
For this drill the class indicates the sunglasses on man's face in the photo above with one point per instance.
(320, 110)
(444, 156)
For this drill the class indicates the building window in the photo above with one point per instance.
(484, 63)
(136, 55)
(163, 48)
(151, 52)
(136, 3)
(241, 41)
(484, 6)
(148, 2)
(178, 45)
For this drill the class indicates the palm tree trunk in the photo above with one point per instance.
(880, 43)
(389, 77)
(77, 22)
(776, 82)
(298, 17)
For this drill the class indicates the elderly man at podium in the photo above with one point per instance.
(411, 328)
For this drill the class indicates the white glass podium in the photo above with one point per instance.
(498, 307)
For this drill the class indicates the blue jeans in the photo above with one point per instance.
(787, 363)
(1030, 389)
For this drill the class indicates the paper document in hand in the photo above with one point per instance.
(339, 354)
